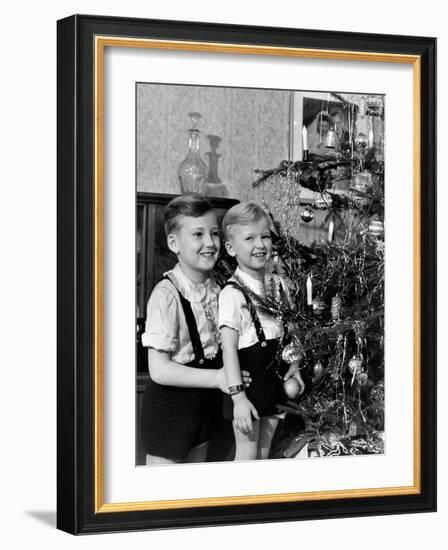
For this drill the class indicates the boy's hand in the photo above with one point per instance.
(246, 378)
(294, 372)
(243, 410)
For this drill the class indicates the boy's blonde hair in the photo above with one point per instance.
(242, 214)
(190, 205)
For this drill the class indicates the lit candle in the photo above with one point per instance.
(304, 139)
(320, 128)
(351, 123)
(330, 231)
(309, 291)
(370, 138)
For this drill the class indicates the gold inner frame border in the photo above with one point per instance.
(100, 43)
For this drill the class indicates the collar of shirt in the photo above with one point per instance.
(254, 284)
(192, 291)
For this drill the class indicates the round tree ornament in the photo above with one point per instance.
(318, 369)
(363, 181)
(307, 214)
(361, 142)
(291, 353)
(362, 378)
(374, 105)
(354, 365)
(318, 307)
(292, 388)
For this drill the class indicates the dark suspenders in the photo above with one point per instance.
(254, 315)
(198, 350)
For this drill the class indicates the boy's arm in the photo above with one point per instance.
(161, 337)
(243, 409)
(169, 373)
(229, 343)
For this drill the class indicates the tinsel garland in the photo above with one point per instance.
(317, 175)
(267, 302)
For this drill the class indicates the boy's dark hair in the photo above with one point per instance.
(191, 205)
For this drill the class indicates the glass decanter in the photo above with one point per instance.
(193, 170)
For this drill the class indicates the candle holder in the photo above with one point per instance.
(306, 155)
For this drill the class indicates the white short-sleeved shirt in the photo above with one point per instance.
(166, 327)
(233, 311)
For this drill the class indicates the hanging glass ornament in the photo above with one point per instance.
(318, 307)
(307, 214)
(291, 353)
(376, 228)
(363, 181)
(318, 370)
(323, 201)
(355, 364)
(361, 141)
(352, 429)
(336, 304)
(359, 200)
(357, 189)
(375, 105)
(362, 378)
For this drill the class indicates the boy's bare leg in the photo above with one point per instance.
(268, 425)
(246, 444)
(151, 460)
(198, 453)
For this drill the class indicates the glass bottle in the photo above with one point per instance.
(193, 170)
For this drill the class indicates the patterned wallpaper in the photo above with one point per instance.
(253, 126)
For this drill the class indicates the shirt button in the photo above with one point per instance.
(263, 344)
(201, 361)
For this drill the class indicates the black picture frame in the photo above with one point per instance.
(80, 507)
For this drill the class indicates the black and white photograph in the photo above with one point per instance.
(260, 244)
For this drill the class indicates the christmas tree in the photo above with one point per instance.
(336, 324)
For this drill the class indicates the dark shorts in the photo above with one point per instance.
(174, 420)
(266, 389)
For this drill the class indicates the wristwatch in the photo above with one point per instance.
(234, 390)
